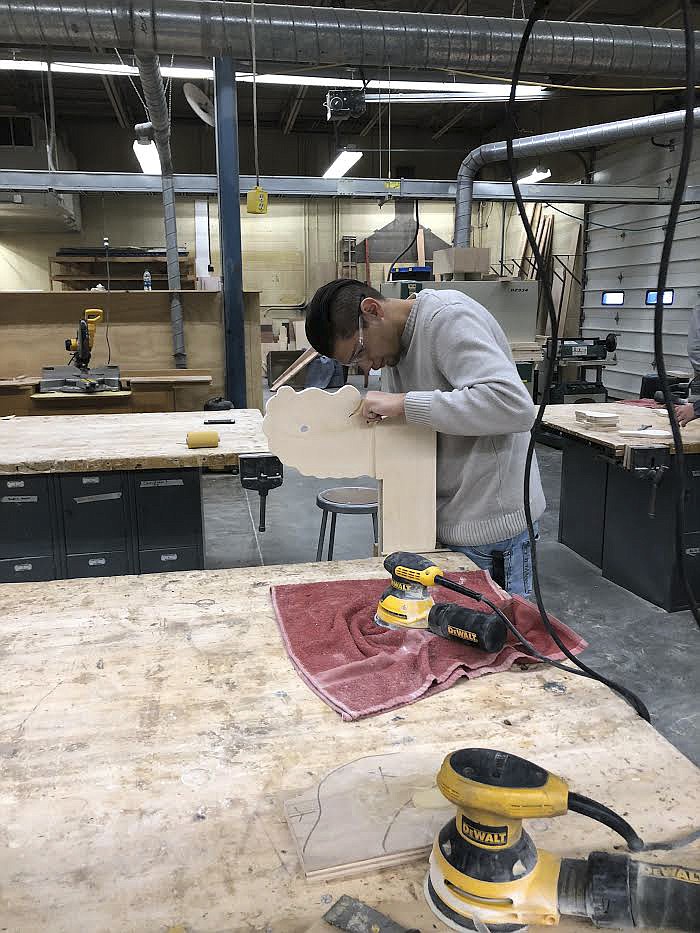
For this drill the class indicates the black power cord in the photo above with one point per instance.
(679, 457)
(403, 252)
(538, 9)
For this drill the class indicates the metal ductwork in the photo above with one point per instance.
(154, 95)
(325, 36)
(585, 137)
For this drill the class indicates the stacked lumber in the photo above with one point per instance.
(528, 351)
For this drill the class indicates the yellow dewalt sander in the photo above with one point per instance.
(487, 875)
(407, 603)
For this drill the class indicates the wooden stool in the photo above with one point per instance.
(345, 500)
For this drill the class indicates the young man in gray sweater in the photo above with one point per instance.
(446, 364)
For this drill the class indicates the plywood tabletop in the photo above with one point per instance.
(151, 728)
(563, 419)
(68, 444)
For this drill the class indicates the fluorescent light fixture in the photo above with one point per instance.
(612, 298)
(483, 90)
(148, 157)
(667, 299)
(345, 161)
(535, 176)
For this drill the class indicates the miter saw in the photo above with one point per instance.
(77, 376)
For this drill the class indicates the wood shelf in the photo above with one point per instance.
(80, 273)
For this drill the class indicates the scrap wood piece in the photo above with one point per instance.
(374, 812)
(296, 367)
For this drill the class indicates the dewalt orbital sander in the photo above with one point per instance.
(407, 603)
(487, 875)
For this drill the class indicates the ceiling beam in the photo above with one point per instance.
(292, 109)
(119, 105)
(580, 10)
(372, 122)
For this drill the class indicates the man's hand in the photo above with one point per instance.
(378, 405)
(685, 413)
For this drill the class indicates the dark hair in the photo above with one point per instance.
(333, 312)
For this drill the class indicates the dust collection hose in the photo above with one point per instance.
(617, 891)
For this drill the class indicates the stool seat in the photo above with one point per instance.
(345, 500)
(359, 500)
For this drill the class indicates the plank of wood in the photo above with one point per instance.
(59, 444)
(420, 246)
(296, 367)
(68, 397)
(563, 418)
(322, 433)
(152, 726)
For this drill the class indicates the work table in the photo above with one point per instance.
(152, 440)
(562, 420)
(151, 727)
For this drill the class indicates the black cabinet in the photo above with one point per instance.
(100, 524)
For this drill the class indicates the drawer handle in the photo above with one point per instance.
(168, 556)
(97, 562)
(19, 500)
(20, 567)
(100, 497)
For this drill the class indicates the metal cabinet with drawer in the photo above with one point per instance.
(168, 520)
(96, 534)
(28, 529)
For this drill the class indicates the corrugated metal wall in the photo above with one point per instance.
(628, 259)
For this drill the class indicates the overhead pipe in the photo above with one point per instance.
(584, 137)
(302, 35)
(154, 95)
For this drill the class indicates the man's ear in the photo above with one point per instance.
(373, 307)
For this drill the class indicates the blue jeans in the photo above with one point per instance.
(509, 562)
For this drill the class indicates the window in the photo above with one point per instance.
(613, 298)
(667, 299)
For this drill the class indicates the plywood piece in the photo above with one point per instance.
(420, 246)
(322, 433)
(60, 443)
(385, 808)
(152, 727)
(562, 418)
(291, 371)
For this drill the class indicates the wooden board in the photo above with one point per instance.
(152, 726)
(562, 418)
(64, 444)
(322, 433)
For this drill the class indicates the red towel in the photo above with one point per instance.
(360, 669)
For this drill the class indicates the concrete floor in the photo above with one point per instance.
(655, 653)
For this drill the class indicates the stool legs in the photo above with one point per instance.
(322, 534)
(331, 540)
(376, 534)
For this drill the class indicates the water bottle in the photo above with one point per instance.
(147, 281)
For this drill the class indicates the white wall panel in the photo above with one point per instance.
(628, 259)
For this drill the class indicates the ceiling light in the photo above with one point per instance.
(535, 176)
(345, 161)
(487, 91)
(148, 157)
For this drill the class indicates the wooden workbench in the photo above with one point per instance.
(110, 494)
(562, 420)
(606, 501)
(63, 444)
(150, 728)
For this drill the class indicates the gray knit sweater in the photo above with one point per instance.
(461, 380)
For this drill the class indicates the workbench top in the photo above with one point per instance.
(77, 443)
(562, 418)
(151, 727)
